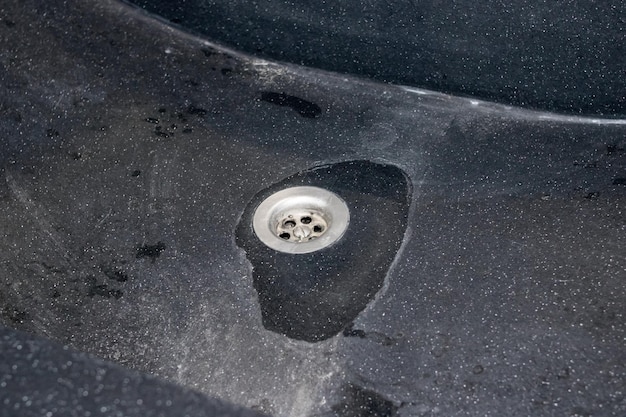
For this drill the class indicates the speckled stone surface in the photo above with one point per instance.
(130, 151)
(40, 378)
(565, 56)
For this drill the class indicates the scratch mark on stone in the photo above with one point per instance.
(37, 214)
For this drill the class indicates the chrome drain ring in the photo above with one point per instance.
(301, 219)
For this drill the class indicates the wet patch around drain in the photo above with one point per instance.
(314, 296)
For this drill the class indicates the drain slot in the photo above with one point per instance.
(302, 226)
(301, 219)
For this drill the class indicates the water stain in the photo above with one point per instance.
(150, 251)
(303, 107)
(114, 273)
(102, 290)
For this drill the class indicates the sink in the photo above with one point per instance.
(481, 271)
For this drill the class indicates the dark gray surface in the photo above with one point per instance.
(131, 151)
(566, 55)
(40, 378)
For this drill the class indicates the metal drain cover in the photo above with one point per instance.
(301, 219)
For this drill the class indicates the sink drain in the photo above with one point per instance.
(301, 219)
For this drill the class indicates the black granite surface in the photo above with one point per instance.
(41, 378)
(130, 151)
(565, 56)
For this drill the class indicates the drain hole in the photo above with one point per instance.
(290, 219)
(301, 227)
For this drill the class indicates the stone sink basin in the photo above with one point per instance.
(482, 268)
